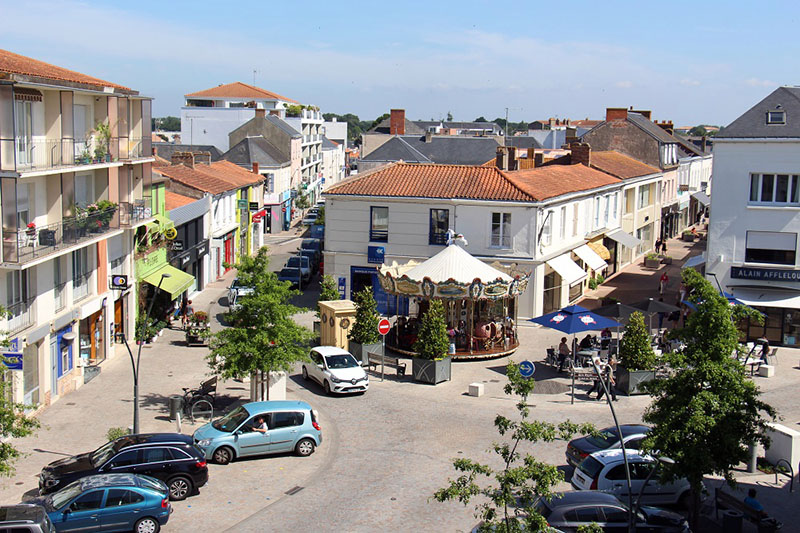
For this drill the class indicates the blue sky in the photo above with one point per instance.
(691, 62)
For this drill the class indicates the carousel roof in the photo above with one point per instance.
(457, 264)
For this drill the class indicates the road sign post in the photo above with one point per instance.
(383, 328)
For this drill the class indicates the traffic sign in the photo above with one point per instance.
(526, 369)
(384, 326)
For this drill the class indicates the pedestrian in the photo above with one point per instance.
(608, 378)
(662, 282)
(563, 353)
(675, 317)
(751, 501)
(188, 311)
(664, 246)
(596, 384)
(658, 244)
(764, 349)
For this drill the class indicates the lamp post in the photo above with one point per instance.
(621, 444)
(135, 363)
(661, 460)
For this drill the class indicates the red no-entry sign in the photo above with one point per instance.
(384, 326)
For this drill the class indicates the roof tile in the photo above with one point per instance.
(555, 180)
(217, 178)
(174, 200)
(238, 90)
(620, 165)
(17, 64)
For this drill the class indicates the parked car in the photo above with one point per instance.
(25, 517)
(605, 470)
(336, 370)
(580, 448)
(293, 275)
(237, 288)
(310, 219)
(169, 457)
(109, 502)
(314, 258)
(292, 427)
(312, 244)
(570, 510)
(303, 263)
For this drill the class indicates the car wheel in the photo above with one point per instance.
(327, 387)
(305, 374)
(223, 455)
(147, 525)
(179, 488)
(305, 447)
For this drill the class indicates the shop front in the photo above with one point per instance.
(780, 308)
(191, 262)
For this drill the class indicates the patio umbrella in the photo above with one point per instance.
(618, 311)
(652, 306)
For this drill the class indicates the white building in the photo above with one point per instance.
(333, 162)
(754, 224)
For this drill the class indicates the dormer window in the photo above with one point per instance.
(776, 117)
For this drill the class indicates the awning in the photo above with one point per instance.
(767, 297)
(589, 257)
(177, 282)
(600, 250)
(695, 261)
(701, 197)
(258, 215)
(625, 239)
(159, 224)
(567, 268)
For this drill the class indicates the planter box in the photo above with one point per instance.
(361, 351)
(667, 260)
(688, 237)
(433, 372)
(629, 381)
(652, 263)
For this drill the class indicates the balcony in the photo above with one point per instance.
(37, 155)
(20, 316)
(21, 246)
(133, 213)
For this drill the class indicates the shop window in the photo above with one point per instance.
(771, 247)
(379, 224)
(575, 291)
(439, 224)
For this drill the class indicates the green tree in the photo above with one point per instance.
(321, 216)
(264, 337)
(706, 415)
(480, 119)
(449, 116)
(507, 495)
(14, 424)
(698, 131)
(636, 350)
(378, 120)
(432, 340)
(365, 328)
(302, 202)
(168, 123)
(327, 291)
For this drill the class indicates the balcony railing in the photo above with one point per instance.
(136, 148)
(131, 213)
(60, 296)
(20, 316)
(45, 154)
(25, 245)
(80, 287)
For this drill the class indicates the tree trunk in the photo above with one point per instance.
(694, 507)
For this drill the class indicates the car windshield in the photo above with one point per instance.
(290, 271)
(591, 467)
(344, 360)
(103, 453)
(309, 244)
(297, 262)
(231, 421)
(235, 283)
(148, 482)
(604, 439)
(65, 495)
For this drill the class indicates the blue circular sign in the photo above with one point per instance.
(526, 369)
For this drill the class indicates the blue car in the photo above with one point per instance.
(290, 426)
(109, 502)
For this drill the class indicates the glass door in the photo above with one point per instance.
(24, 126)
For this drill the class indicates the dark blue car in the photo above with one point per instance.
(109, 502)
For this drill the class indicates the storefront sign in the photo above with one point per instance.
(13, 360)
(342, 287)
(242, 204)
(254, 206)
(177, 246)
(765, 274)
(119, 282)
(202, 249)
(375, 255)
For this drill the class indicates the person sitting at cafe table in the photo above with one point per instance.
(563, 353)
(586, 342)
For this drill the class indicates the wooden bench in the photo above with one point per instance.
(207, 388)
(723, 500)
(378, 359)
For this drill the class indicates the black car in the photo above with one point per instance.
(567, 511)
(312, 244)
(293, 275)
(608, 438)
(169, 457)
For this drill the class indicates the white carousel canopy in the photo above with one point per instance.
(457, 264)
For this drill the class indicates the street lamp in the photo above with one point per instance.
(661, 460)
(135, 364)
(621, 444)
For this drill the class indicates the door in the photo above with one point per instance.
(54, 357)
(119, 323)
(616, 519)
(314, 369)
(23, 116)
(155, 462)
(80, 129)
(284, 429)
(121, 510)
(83, 514)
(251, 442)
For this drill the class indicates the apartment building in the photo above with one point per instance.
(75, 184)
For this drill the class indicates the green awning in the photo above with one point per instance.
(177, 282)
(163, 221)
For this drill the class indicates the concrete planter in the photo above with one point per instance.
(433, 372)
(688, 237)
(629, 381)
(667, 260)
(361, 351)
(652, 263)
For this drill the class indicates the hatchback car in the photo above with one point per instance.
(109, 502)
(303, 263)
(25, 518)
(310, 219)
(292, 426)
(608, 438)
(567, 511)
(314, 258)
(237, 289)
(336, 370)
(293, 275)
(169, 457)
(606, 471)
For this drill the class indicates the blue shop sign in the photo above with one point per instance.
(765, 274)
(375, 255)
(12, 360)
(342, 287)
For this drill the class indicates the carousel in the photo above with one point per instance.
(480, 301)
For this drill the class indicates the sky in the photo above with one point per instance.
(689, 62)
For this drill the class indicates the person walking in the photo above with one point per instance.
(608, 378)
(662, 282)
(661, 316)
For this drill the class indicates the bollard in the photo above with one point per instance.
(752, 463)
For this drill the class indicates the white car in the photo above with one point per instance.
(605, 470)
(237, 289)
(336, 370)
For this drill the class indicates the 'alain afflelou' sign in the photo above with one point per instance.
(765, 274)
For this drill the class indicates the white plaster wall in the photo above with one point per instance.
(211, 125)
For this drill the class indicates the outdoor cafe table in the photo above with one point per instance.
(585, 356)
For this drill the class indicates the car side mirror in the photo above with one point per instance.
(237, 432)
(67, 510)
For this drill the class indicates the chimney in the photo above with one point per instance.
(501, 159)
(581, 153)
(538, 159)
(645, 114)
(616, 113)
(428, 136)
(183, 158)
(703, 145)
(261, 112)
(255, 167)
(274, 112)
(513, 164)
(202, 158)
(667, 126)
(397, 122)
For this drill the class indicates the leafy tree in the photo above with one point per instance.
(432, 341)
(500, 122)
(327, 291)
(449, 116)
(168, 123)
(707, 414)
(507, 499)
(264, 337)
(594, 527)
(320, 216)
(14, 423)
(302, 202)
(698, 131)
(636, 351)
(480, 119)
(365, 328)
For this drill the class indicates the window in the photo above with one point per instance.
(88, 501)
(597, 212)
(583, 514)
(615, 515)
(616, 473)
(128, 458)
(629, 208)
(16, 287)
(23, 206)
(285, 420)
(119, 497)
(439, 224)
(80, 273)
(776, 117)
(563, 228)
(776, 248)
(379, 224)
(271, 182)
(84, 189)
(156, 455)
(640, 471)
(774, 189)
(501, 229)
(575, 209)
(614, 211)
(644, 196)
(547, 229)
(607, 211)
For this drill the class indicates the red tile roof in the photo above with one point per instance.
(217, 178)
(620, 165)
(432, 181)
(554, 180)
(12, 63)
(173, 200)
(238, 90)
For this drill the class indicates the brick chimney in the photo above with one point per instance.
(705, 143)
(183, 158)
(255, 167)
(645, 114)
(428, 136)
(274, 112)
(397, 122)
(261, 112)
(513, 163)
(667, 126)
(616, 113)
(538, 159)
(501, 159)
(581, 153)
(202, 158)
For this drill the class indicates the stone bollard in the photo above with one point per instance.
(476, 389)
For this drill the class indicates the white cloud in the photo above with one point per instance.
(756, 82)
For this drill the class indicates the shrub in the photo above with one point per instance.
(365, 328)
(115, 433)
(636, 352)
(651, 255)
(600, 279)
(432, 341)
(593, 283)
